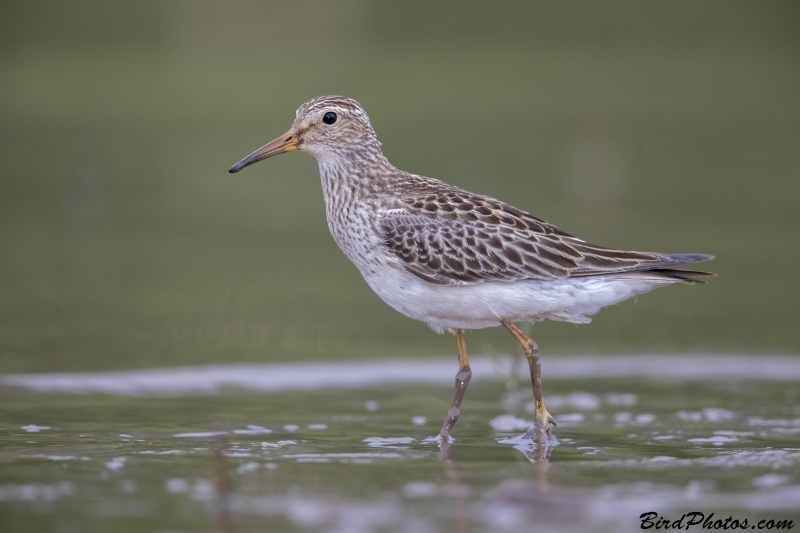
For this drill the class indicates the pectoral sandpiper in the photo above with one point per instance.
(455, 259)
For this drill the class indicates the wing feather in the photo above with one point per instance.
(453, 237)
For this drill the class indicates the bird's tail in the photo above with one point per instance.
(664, 268)
(684, 276)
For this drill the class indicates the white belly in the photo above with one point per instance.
(483, 305)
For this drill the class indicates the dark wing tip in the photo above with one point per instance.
(686, 276)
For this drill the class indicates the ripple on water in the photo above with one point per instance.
(708, 414)
(10, 492)
(279, 444)
(33, 428)
(253, 430)
(201, 434)
(389, 442)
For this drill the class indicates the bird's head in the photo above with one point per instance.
(325, 127)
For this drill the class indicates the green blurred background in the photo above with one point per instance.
(124, 242)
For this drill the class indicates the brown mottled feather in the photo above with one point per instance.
(453, 237)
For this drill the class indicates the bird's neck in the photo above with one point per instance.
(354, 176)
(353, 186)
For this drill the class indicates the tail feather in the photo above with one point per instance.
(661, 265)
(682, 259)
(664, 269)
(686, 276)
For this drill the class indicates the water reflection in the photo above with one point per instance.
(223, 487)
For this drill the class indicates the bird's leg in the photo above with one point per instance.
(540, 432)
(462, 381)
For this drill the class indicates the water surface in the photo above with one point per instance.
(314, 456)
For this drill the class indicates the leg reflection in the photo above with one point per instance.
(221, 478)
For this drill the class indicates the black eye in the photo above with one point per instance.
(329, 118)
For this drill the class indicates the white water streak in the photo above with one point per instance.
(434, 371)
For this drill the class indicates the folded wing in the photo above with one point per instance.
(455, 238)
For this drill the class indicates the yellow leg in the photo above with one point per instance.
(540, 431)
(462, 381)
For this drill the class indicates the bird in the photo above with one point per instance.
(455, 259)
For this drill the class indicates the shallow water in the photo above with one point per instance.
(361, 457)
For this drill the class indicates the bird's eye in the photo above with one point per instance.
(329, 118)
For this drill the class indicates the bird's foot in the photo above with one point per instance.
(541, 432)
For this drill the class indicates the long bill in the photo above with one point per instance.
(285, 143)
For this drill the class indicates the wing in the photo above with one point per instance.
(455, 238)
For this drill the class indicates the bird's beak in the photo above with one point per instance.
(285, 143)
